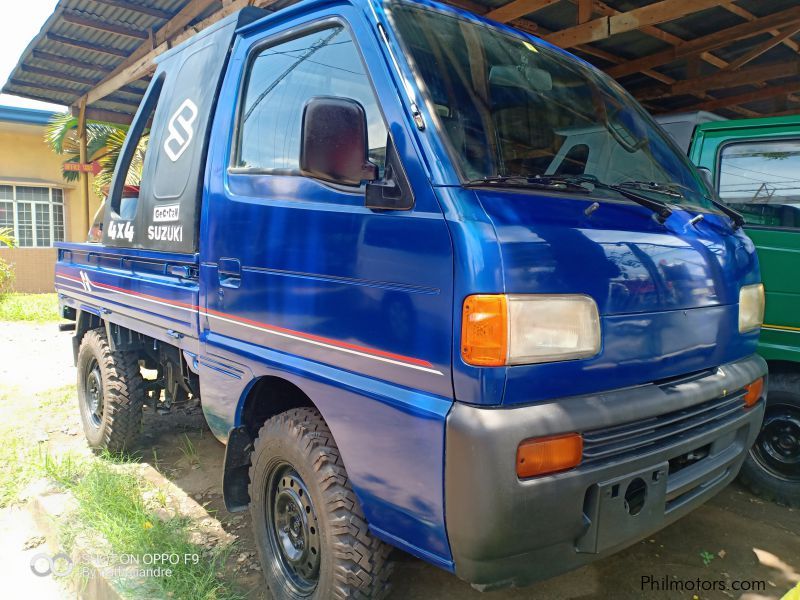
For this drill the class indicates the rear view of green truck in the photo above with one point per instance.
(754, 165)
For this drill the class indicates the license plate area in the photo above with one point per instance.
(623, 508)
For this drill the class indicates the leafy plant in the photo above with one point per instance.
(7, 237)
(104, 143)
(6, 277)
(707, 557)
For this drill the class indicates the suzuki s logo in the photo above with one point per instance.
(180, 130)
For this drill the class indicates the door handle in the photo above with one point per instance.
(229, 271)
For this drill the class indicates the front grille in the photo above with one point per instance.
(623, 440)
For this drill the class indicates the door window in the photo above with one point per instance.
(761, 179)
(282, 79)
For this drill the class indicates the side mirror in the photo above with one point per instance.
(333, 141)
(708, 178)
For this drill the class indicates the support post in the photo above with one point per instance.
(84, 176)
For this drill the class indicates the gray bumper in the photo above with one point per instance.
(684, 440)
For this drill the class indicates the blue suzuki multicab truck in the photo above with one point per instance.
(437, 285)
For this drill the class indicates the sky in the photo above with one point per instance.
(17, 28)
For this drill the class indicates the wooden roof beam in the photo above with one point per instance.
(660, 34)
(137, 7)
(709, 42)
(748, 16)
(722, 80)
(517, 8)
(68, 61)
(97, 25)
(607, 26)
(86, 45)
(762, 94)
(140, 61)
(533, 28)
(766, 46)
(57, 75)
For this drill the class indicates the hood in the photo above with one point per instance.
(667, 293)
(619, 255)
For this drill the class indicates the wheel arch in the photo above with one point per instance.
(265, 397)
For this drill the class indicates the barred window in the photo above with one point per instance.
(35, 214)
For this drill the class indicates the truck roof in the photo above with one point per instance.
(745, 123)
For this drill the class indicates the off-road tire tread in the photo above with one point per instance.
(362, 568)
(753, 477)
(123, 392)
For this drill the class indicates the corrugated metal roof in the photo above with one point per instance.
(69, 56)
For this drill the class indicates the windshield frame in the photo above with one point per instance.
(588, 70)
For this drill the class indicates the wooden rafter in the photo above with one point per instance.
(517, 8)
(137, 7)
(660, 34)
(760, 49)
(585, 10)
(86, 45)
(748, 16)
(140, 62)
(762, 94)
(607, 26)
(57, 75)
(709, 42)
(722, 80)
(123, 30)
(69, 61)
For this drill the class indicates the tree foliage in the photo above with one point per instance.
(104, 143)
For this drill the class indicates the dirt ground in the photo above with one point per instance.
(735, 538)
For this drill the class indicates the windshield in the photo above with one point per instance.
(511, 108)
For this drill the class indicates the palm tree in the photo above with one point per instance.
(7, 237)
(104, 144)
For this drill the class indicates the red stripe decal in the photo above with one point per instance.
(309, 336)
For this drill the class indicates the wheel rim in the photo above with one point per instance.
(93, 394)
(293, 529)
(777, 449)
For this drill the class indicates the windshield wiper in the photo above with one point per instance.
(673, 189)
(668, 189)
(661, 210)
(537, 182)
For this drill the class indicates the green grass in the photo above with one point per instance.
(116, 508)
(110, 503)
(39, 308)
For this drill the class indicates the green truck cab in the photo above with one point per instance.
(754, 165)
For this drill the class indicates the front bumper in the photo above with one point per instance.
(667, 446)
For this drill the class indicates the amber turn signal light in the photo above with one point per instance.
(539, 456)
(484, 330)
(753, 391)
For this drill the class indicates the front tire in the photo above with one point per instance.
(110, 394)
(312, 537)
(772, 467)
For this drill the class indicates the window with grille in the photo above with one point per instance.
(35, 214)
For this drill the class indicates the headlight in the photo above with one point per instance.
(514, 329)
(751, 307)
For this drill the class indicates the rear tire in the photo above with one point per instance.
(312, 537)
(110, 394)
(772, 467)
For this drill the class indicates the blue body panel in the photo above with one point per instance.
(361, 309)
